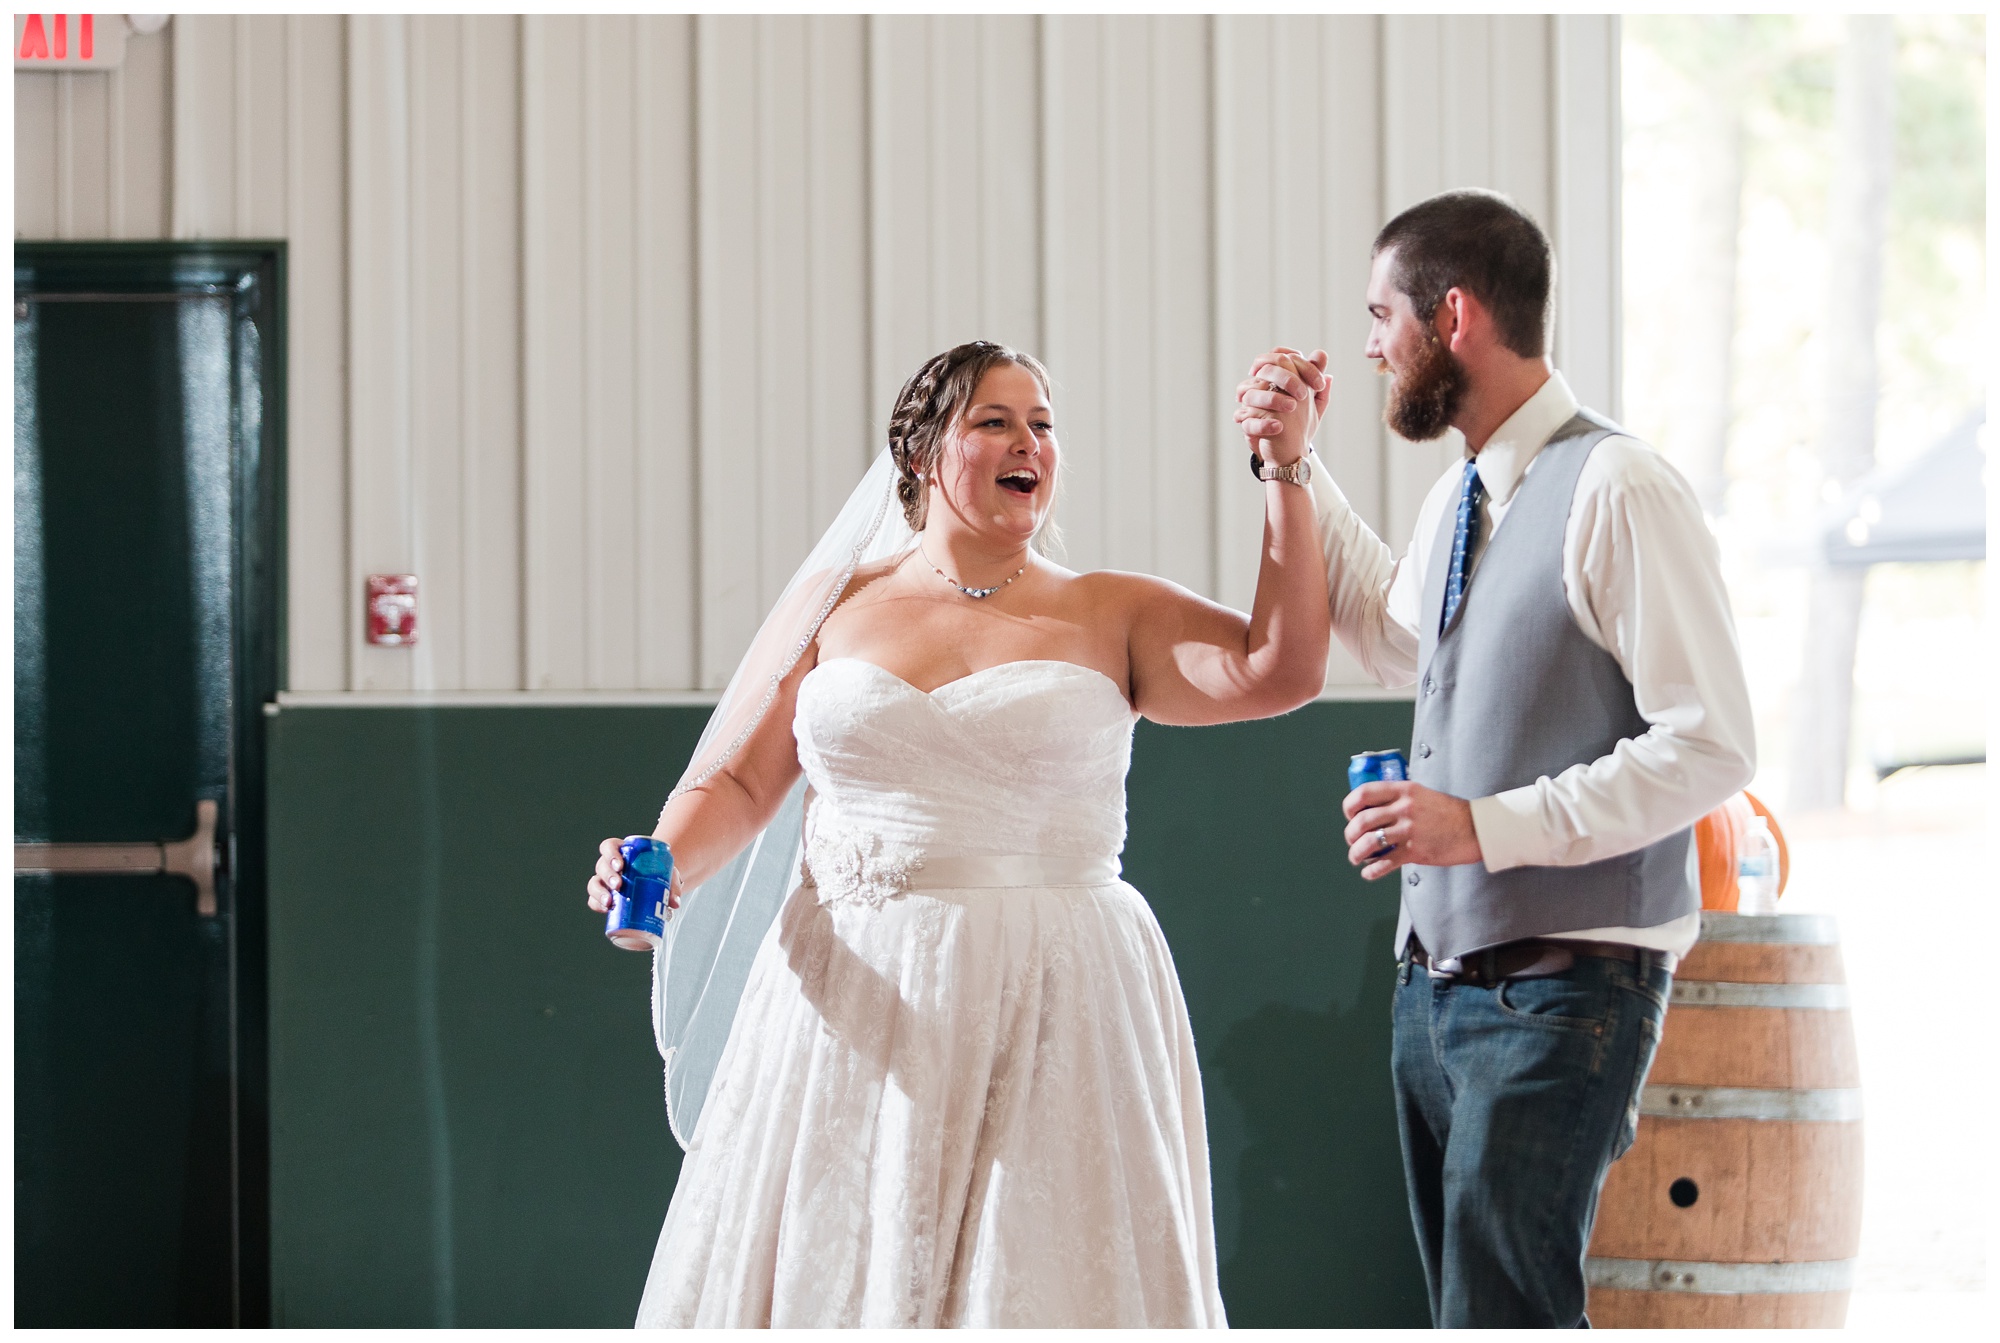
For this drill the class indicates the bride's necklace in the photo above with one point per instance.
(974, 593)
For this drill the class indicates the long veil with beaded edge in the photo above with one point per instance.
(704, 961)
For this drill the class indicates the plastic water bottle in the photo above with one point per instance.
(1757, 870)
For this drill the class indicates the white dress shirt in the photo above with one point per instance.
(1644, 583)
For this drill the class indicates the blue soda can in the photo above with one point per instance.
(1374, 767)
(637, 919)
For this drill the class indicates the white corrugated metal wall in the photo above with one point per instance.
(555, 278)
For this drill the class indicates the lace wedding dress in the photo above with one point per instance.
(961, 1087)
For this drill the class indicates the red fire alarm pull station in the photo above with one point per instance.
(392, 609)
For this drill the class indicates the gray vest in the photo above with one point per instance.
(1513, 691)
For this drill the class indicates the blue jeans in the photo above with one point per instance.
(1512, 1101)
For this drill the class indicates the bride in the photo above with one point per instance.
(957, 1085)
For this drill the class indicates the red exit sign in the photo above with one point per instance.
(69, 41)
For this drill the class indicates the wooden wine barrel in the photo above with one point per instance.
(1739, 1205)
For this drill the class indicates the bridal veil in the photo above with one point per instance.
(704, 961)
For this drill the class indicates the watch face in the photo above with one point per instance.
(1298, 473)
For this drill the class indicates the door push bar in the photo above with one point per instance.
(193, 858)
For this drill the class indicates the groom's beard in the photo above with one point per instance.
(1424, 397)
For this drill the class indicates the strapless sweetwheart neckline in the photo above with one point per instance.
(977, 673)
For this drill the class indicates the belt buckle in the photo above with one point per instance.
(1420, 956)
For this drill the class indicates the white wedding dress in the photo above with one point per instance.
(961, 1087)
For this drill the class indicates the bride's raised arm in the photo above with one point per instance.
(1194, 661)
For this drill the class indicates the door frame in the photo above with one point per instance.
(255, 273)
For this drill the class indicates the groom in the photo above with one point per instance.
(1580, 704)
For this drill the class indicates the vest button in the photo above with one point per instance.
(1424, 752)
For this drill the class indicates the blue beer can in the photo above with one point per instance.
(637, 919)
(1375, 767)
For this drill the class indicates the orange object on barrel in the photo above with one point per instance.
(1718, 839)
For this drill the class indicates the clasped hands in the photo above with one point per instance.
(1279, 407)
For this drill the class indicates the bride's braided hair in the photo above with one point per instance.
(931, 403)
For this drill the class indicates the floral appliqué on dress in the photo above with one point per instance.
(857, 867)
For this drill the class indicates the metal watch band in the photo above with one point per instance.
(1297, 473)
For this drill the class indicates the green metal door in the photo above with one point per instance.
(142, 618)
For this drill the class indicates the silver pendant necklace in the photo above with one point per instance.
(974, 593)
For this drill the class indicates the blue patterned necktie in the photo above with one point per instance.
(1465, 534)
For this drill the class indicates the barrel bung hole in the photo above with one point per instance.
(1683, 1192)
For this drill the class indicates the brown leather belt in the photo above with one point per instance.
(1530, 958)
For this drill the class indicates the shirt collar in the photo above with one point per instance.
(1505, 458)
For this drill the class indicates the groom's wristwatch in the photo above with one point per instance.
(1298, 473)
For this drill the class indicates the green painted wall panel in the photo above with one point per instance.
(466, 1116)
(1283, 952)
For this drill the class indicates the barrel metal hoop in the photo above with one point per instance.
(1805, 930)
(1676, 1275)
(1832, 1105)
(1719, 993)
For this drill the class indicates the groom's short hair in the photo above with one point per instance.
(1483, 243)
